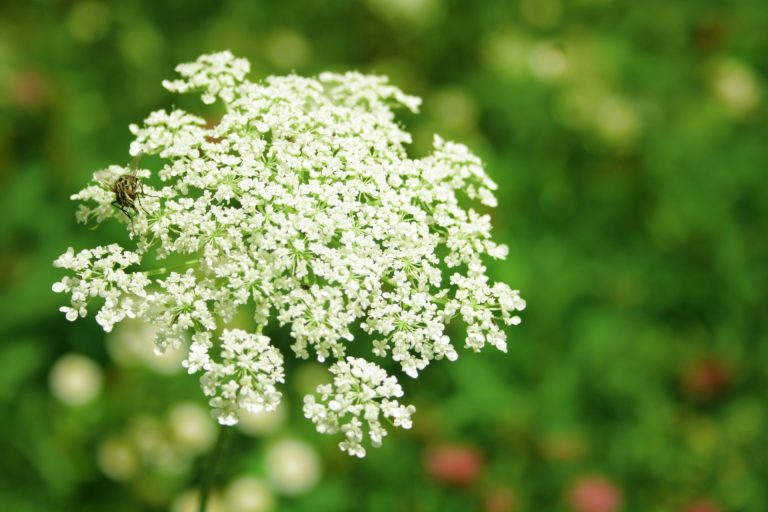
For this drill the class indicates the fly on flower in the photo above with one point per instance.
(128, 188)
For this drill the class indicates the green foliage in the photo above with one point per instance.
(629, 143)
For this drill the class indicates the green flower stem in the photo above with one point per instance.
(210, 469)
(164, 270)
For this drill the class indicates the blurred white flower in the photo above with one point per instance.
(454, 109)
(117, 458)
(192, 427)
(736, 86)
(248, 494)
(148, 434)
(616, 120)
(171, 461)
(547, 61)
(287, 50)
(132, 343)
(189, 501)
(293, 466)
(263, 422)
(303, 206)
(157, 448)
(75, 379)
(506, 52)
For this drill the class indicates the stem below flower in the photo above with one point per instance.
(163, 270)
(210, 469)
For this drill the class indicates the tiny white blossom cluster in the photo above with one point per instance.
(245, 379)
(302, 205)
(359, 389)
(100, 272)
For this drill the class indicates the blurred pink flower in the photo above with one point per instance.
(701, 506)
(706, 378)
(594, 494)
(454, 464)
(28, 89)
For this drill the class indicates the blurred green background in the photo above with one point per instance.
(630, 143)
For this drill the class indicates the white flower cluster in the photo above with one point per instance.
(302, 205)
(100, 272)
(359, 389)
(245, 379)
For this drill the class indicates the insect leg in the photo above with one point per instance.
(138, 199)
(141, 191)
(120, 207)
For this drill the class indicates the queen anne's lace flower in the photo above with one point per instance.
(302, 205)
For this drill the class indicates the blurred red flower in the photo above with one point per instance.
(594, 494)
(454, 464)
(706, 378)
(701, 506)
(28, 89)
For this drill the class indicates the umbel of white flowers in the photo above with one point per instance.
(302, 204)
